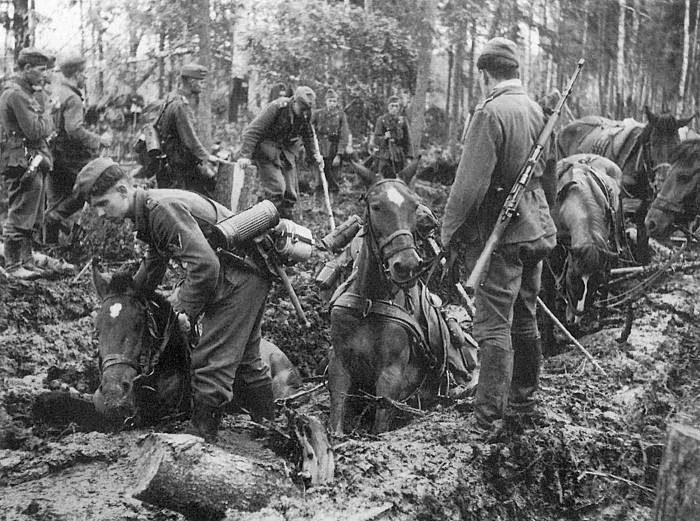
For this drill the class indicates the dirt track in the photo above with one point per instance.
(591, 452)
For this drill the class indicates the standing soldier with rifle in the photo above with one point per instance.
(499, 141)
(25, 128)
(333, 133)
(392, 139)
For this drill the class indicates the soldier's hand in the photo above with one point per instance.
(336, 160)
(106, 140)
(214, 159)
(208, 172)
(244, 162)
(174, 300)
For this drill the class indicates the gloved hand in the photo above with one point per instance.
(243, 162)
(174, 301)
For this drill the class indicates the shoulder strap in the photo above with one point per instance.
(168, 100)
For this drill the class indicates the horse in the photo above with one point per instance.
(638, 149)
(144, 356)
(379, 344)
(678, 201)
(587, 214)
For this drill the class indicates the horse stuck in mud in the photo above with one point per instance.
(390, 339)
(678, 201)
(639, 150)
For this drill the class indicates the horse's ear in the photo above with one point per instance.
(100, 282)
(407, 174)
(684, 122)
(367, 176)
(651, 117)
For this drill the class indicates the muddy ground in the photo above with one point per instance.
(591, 452)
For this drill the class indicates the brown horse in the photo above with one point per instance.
(678, 201)
(589, 223)
(378, 345)
(638, 149)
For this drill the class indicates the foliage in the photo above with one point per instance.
(364, 56)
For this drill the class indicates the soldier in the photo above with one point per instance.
(333, 134)
(73, 146)
(392, 140)
(25, 129)
(500, 136)
(188, 160)
(274, 140)
(174, 225)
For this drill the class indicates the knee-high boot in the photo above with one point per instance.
(526, 372)
(494, 382)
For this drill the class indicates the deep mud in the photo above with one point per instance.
(591, 452)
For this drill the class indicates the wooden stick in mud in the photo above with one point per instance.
(569, 335)
(678, 485)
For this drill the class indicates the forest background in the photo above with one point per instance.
(637, 52)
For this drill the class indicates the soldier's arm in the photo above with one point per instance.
(188, 135)
(255, 132)
(151, 271)
(178, 232)
(75, 124)
(35, 124)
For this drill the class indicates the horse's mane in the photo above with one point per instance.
(666, 123)
(687, 154)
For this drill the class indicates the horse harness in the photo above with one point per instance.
(148, 358)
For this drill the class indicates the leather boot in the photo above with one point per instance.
(27, 257)
(51, 232)
(205, 421)
(258, 400)
(494, 382)
(13, 261)
(526, 372)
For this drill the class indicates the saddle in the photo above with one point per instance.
(615, 140)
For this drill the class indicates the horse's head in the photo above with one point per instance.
(678, 201)
(122, 327)
(390, 217)
(587, 269)
(661, 137)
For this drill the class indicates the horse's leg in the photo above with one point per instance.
(389, 385)
(642, 252)
(339, 384)
(627, 329)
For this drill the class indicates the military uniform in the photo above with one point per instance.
(392, 153)
(333, 133)
(25, 128)
(175, 225)
(186, 153)
(273, 140)
(499, 138)
(73, 148)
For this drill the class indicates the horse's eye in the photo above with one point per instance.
(375, 208)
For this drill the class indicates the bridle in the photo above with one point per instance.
(383, 250)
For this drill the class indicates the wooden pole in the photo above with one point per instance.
(678, 485)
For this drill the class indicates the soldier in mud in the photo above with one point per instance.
(25, 125)
(391, 141)
(499, 139)
(188, 161)
(273, 140)
(230, 300)
(333, 133)
(73, 146)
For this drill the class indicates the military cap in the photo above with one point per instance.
(31, 56)
(90, 174)
(71, 63)
(331, 94)
(393, 99)
(499, 48)
(305, 95)
(193, 70)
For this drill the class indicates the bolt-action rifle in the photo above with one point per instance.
(511, 204)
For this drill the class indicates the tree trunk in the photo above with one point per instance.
(236, 188)
(204, 124)
(684, 66)
(457, 89)
(620, 63)
(182, 473)
(678, 485)
(425, 54)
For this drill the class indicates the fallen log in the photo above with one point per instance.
(202, 481)
(678, 485)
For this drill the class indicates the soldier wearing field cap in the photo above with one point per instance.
(230, 299)
(392, 140)
(189, 163)
(73, 146)
(25, 127)
(502, 131)
(273, 140)
(333, 133)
